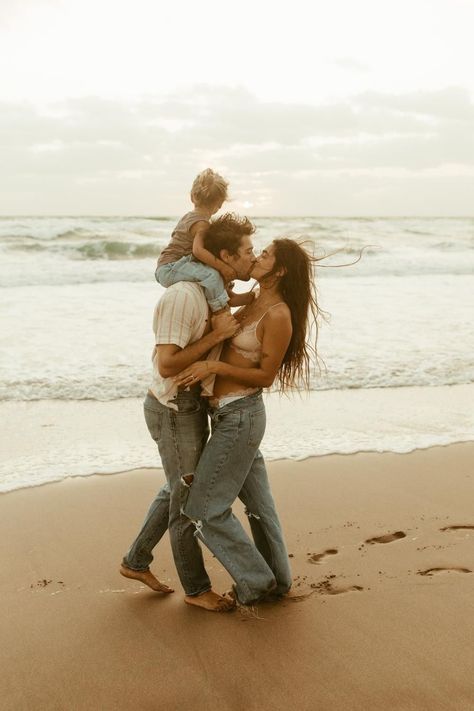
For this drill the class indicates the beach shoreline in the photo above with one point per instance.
(380, 614)
(86, 437)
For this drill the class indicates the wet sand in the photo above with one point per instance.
(381, 614)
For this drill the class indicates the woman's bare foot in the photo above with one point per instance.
(147, 577)
(269, 597)
(211, 601)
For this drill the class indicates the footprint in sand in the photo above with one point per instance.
(298, 598)
(338, 591)
(434, 571)
(44, 582)
(318, 557)
(327, 587)
(387, 538)
(460, 527)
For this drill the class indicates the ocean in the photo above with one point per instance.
(77, 297)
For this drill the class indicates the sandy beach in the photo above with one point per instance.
(380, 615)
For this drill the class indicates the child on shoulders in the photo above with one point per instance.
(185, 257)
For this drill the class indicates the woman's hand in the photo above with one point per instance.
(196, 372)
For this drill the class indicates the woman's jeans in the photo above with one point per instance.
(231, 465)
(189, 269)
(180, 436)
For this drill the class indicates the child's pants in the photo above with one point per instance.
(188, 269)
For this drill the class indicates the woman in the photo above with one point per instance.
(271, 343)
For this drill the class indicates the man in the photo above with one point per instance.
(177, 418)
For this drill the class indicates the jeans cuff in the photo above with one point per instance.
(219, 303)
(199, 592)
(126, 564)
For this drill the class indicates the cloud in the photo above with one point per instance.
(13, 12)
(453, 103)
(93, 154)
(353, 65)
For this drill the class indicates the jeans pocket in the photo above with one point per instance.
(153, 419)
(187, 404)
(257, 427)
(226, 422)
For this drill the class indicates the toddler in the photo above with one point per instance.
(185, 257)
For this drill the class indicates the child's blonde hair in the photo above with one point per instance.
(208, 188)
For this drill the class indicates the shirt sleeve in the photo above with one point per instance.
(174, 318)
(192, 218)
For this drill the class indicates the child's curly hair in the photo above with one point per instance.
(208, 188)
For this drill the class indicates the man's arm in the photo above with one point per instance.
(172, 359)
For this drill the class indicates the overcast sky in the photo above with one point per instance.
(307, 107)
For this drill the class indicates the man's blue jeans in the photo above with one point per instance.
(231, 465)
(189, 269)
(180, 437)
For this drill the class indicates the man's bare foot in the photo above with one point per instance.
(211, 601)
(147, 577)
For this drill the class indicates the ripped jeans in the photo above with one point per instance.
(180, 436)
(231, 465)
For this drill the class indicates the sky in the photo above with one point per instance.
(307, 108)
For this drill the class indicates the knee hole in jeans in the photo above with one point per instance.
(187, 479)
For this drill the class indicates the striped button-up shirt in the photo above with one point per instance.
(180, 318)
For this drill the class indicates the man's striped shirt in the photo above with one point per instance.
(180, 318)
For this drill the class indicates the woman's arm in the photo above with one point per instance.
(172, 359)
(276, 337)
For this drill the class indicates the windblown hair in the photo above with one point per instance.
(208, 188)
(298, 290)
(226, 232)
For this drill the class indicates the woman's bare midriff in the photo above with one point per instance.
(228, 386)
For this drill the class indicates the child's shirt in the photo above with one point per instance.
(181, 243)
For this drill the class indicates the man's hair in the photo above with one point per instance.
(208, 188)
(226, 232)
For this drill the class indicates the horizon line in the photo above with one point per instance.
(256, 217)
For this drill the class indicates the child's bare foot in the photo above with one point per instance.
(147, 577)
(211, 601)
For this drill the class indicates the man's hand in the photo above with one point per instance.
(224, 325)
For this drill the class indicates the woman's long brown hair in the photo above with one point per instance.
(298, 290)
